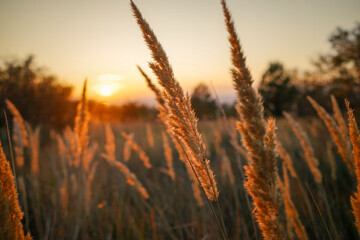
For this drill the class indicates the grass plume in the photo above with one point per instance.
(180, 115)
(131, 178)
(20, 134)
(355, 140)
(258, 139)
(310, 158)
(337, 130)
(10, 212)
(142, 155)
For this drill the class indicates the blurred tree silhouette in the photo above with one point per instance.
(131, 111)
(340, 68)
(346, 46)
(336, 72)
(277, 89)
(39, 98)
(204, 105)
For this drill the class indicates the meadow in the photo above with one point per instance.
(180, 178)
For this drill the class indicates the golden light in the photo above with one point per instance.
(108, 84)
(105, 90)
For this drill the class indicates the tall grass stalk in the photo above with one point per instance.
(181, 117)
(258, 139)
(337, 131)
(305, 143)
(142, 155)
(19, 133)
(313, 164)
(10, 212)
(355, 140)
(290, 208)
(163, 113)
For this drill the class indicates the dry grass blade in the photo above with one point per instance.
(163, 113)
(337, 132)
(20, 135)
(286, 157)
(110, 143)
(142, 155)
(168, 156)
(180, 115)
(149, 135)
(290, 209)
(310, 158)
(131, 178)
(19, 120)
(127, 149)
(10, 212)
(34, 144)
(81, 128)
(355, 140)
(180, 119)
(259, 142)
(339, 118)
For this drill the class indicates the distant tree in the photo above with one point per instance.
(277, 89)
(204, 105)
(346, 47)
(340, 67)
(39, 98)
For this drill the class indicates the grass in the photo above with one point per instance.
(102, 180)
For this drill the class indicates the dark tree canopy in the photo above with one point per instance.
(277, 89)
(204, 105)
(39, 98)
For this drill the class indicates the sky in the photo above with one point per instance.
(100, 40)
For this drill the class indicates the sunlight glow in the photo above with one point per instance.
(106, 89)
(108, 84)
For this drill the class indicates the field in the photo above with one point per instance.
(57, 203)
(248, 177)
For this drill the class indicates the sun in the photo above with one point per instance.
(108, 84)
(106, 89)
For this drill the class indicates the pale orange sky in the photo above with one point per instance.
(88, 38)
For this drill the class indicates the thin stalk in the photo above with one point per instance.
(224, 236)
(207, 170)
(323, 195)
(221, 217)
(322, 216)
(232, 143)
(217, 201)
(309, 208)
(11, 148)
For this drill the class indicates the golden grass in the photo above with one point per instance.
(355, 140)
(290, 209)
(75, 198)
(131, 178)
(337, 129)
(163, 112)
(168, 156)
(10, 212)
(305, 143)
(258, 139)
(34, 144)
(20, 135)
(81, 128)
(180, 116)
(142, 155)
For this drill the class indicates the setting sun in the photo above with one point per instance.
(106, 90)
(109, 84)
